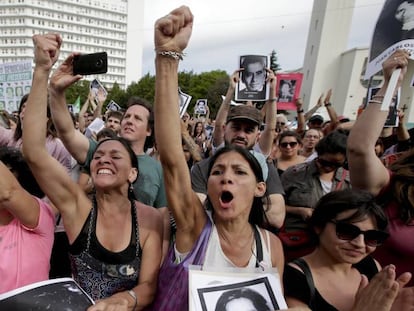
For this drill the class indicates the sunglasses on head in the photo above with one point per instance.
(348, 232)
(291, 144)
(326, 163)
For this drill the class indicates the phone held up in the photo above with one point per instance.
(87, 64)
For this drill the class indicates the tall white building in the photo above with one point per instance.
(86, 26)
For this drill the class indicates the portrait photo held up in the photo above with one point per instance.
(252, 84)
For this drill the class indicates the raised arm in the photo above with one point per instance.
(82, 111)
(366, 169)
(218, 132)
(301, 127)
(75, 142)
(311, 111)
(172, 34)
(266, 137)
(50, 174)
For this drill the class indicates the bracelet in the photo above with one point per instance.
(328, 104)
(273, 99)
(133, 295)
(375, 101)
(172, 54)
(378, 96)
(299, 111)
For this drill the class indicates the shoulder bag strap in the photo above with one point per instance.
(259, 248)
(308, 275)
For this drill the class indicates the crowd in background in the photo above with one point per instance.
(329, 203)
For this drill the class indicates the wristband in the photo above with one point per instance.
(133, 295)
(172, 54)
(328, 104)
(375, 101)
(273, 99)
(299, 111)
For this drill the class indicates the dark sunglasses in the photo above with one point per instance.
(326, 163)
(280, 123)
(348, 232)
(291, 144)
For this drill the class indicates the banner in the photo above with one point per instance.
(394, 30)
(288, 90)
(15, 81)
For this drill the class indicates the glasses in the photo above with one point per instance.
(326, 163)
(280, 123)
(291, 144)
(348, 232)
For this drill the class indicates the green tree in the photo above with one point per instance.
(80, 88)
(274, 65)
(118, 95)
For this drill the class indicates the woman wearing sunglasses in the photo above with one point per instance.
(305, 184)
(349, 226)
(289, 146)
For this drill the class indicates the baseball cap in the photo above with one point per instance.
(316, 118)
(244, 112)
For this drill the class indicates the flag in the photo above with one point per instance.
(76, 105)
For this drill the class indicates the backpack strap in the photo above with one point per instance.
(308, 275)
(259, 248)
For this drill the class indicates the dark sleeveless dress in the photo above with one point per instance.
(102, 273)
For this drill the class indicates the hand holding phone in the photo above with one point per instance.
(87, 64)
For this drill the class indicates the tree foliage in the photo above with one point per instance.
(207, 85)
(274, 65)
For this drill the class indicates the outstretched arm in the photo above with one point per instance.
(218, 133)
(75, 142)
(172, 34)
(50, 174)
(266, 137)
(366, 169)
(311, 111)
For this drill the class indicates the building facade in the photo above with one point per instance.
(86, 26)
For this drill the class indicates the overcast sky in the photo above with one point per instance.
(225, 29)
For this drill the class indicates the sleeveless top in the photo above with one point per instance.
(100, 272)
(215, 256)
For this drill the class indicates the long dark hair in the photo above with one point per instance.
(18, 132)
(257, 214)
(132, 157)
(13, 158)
(403, 185)
(336, 202)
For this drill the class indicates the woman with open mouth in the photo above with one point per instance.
(227, 231)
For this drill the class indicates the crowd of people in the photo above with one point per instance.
(152, 193)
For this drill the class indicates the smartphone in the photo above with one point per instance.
(87, 64)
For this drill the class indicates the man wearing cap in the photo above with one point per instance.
(315, 122)
(242, 129)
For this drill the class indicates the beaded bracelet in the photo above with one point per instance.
(172, 54)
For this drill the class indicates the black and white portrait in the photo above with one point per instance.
(252, 84)
(225, 291)
(184, 101)
(286, 91)
(394, 29)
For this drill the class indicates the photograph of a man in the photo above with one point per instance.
(252, 84)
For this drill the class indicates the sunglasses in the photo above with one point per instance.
(326, 163)
(348, 232)
(291, 144)
(280, 123)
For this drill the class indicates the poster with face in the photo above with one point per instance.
(288, 90)
(184, 101)
(394, 30)
(224, 291)
(252, 84)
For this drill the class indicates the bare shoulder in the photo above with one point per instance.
(148, 216)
